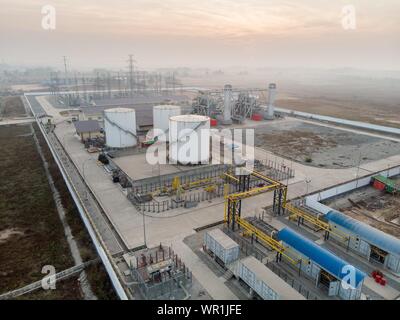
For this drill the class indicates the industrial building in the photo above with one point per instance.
(162, 198)
(88, 129)
(263, 282)
(326, 269)
(221, 247)
(159, 273)
(367, 241)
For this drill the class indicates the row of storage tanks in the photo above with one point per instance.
(169, 126)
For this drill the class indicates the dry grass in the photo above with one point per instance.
(11, 107)
(97, 275)
(26, 204)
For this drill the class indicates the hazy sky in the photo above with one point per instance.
(202, 33)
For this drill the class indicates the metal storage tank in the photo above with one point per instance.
(120, 127)
(161, 115)
(189, 139)
(221, 245)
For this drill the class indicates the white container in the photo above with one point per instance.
(221, 245)
(189, 139)
(161, 115)
(120, 127)
(264, 282)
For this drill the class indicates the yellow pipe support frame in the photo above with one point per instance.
(296, 212)
(252, 192)
(196, 183)
(231, 177)
(272, 243)
(226, 193)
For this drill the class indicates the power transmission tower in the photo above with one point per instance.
(65, 70)
(131, 74)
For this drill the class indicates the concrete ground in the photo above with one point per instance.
(172, 230)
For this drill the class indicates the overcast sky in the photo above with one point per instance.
(202, 33)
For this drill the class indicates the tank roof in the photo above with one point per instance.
(190, 118)
(166, 106)
(120, 110)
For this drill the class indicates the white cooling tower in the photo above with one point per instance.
(161, 115)
(227, 114)
(271, 101)
(120, 127)
(189, 139)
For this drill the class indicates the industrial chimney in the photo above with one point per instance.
(227, 116)
(271, 100)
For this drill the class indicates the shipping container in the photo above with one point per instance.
(213, 122)
(221, 245)
(379, 185)
(256, 117)
(264, 282)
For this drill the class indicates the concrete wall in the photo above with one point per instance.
(350, 123)
(313, 200)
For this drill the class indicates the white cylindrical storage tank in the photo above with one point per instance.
(189, 139)
(120, 127)
(161, 115)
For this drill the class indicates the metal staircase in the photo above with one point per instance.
(119, 127)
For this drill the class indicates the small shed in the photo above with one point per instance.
(87, 129)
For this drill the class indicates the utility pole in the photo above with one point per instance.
(65, 70)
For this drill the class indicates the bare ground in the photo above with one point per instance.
(374, 207)
(322, 146)
(11, 107)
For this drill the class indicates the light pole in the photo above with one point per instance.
(307, 183)
(144, 221)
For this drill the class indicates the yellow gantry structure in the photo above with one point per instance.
(233, 199)
(233, 207)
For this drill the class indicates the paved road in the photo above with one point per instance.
(214, 285)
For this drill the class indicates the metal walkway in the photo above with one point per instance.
(38, 284)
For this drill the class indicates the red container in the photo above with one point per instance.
(256, 117)
(213, 122)
(379, 185)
